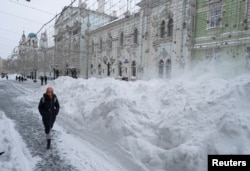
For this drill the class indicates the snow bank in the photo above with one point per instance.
(162, 124)
(16, 155)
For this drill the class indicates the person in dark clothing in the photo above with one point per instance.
(41, 80)
(48, 109)
(45, 80)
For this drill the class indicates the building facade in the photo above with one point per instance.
(222, 33)
(71, 38)
(153, 43)
(27, 55)
(161, 40)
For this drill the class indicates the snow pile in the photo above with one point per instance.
(16, 156)
(161, 124)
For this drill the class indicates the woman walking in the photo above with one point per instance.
(48, 109)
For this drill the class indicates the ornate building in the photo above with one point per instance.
(71, 38)
(153, 43)
(27, 55)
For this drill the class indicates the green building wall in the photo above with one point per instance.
(231, 39)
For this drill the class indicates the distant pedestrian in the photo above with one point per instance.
(41, 80)
(19, 78)
(45, 80)
(7, 77)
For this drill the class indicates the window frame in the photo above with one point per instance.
(162, 29)
(215, 15)
(170, 28)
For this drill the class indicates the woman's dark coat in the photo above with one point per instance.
(48, 108)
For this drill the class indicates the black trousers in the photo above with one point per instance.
(48, 123)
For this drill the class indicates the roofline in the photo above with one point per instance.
(88, 11)
(115, 22)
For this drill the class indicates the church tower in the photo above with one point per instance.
(44, 40)
(23, 39)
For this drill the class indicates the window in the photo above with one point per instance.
(248, 10)
(93, 46)
(75, 32)
(170, 28)
(162, 29)
(247, 64)
(33, 43)
(109, 41)
(135, 36)
(91, 69)
(100, 43)
(168, 68)
(121, 38)
(161, 68)
(120, 68)
(215, 18)
(133, 66)
(248, 50)
(99, 69)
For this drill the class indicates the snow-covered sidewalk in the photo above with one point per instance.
(16, 154)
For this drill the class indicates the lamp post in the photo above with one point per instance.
(108, 61)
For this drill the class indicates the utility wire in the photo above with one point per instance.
(32, 7)
(55, 16)
(6, 13)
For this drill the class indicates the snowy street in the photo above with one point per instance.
(29, 125)
(112, 125)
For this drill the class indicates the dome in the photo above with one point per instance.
(32, 35)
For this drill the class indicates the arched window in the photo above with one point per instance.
(135, 35)
(161, 68)
(170, 28)
(99, 69)
(168, 68)
(121, 38)
(133, 66)
(162, 33)
(91, 69)
(120, 68)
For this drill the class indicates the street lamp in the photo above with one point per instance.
(108, 61)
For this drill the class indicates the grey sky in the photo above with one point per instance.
(17, 16)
